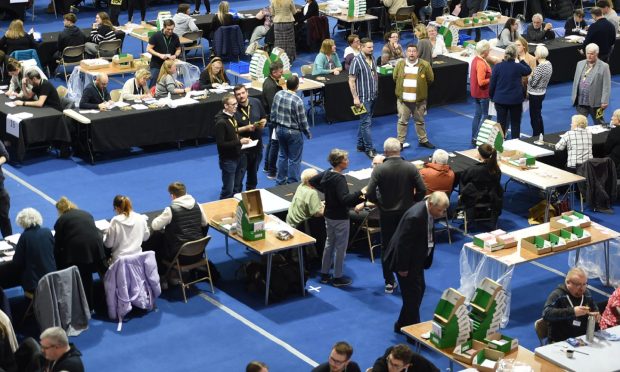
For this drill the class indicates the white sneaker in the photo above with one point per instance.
(390, 287)
(404, 145)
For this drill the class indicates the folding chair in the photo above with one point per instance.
(71, 53)
(196, 38)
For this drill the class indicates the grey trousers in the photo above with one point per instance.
(336, 243)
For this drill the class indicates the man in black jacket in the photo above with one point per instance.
(411, 252)
(395, 186)
(5, 199)
(59, 354)
(575, 25)
(567, 307)
(400, 358)
(71, 35)
(602, 33)
(271, 86)
(96, 96)
(232, 164)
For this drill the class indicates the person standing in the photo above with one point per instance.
(163, 45)
(271, 86)
(364, 86)
(283, 12)
(479, 80)
(608, 12)
(289, 117)
(602, 33)
(537, 88)
(394, 186)
(133, 4)
(251, 118)
(412, 76)
(411, 252)
(5, 199)
(229, 143)
(591, 85)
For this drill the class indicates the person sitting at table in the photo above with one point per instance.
(183, 22)
(306, 202)
(612, 144)
(78, 242)
(17, 73)
(437, 175)
(437, 41)
(401, 358)
(568, 306)
(213, 76)
(327, 62)
(166, 83)
(578, 143)
(183, 221)
(425, 48)
(223, 17)
(260, 31)
(103, 30)
(339, 360)
(46, 94)
(137, 87)
(536, 32)
(163, 45)
(611, 314)
(509, 33)
(96, 95)
(127, 230)
(309, 10)
(34, 253)
(393, 6)
(391, 50)
(15, 38)
(352, 50)
(71, 35)
(482, 182)
(575, 25)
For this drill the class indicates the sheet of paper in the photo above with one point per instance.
(139, 106)
(248, 145)
(89, 111)
(13, 238)
(24, 115)
(5, 245)
(120, 104)
(102, 225)
(10, 104)
(361, 174)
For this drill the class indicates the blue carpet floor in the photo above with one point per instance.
(225, 330)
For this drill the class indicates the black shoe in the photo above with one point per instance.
(361, 149)
(371, 153)
(343, 281)
(195, 12)
(427, 144)
(325, 278)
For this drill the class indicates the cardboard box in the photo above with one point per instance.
(467, 351)
(568, 217)
(487, 354)
(534, 244)
(385, 69)
(582, 236)
(94, 64)
(509, 344)
(250, 216)
(518, 159)
(123, 61)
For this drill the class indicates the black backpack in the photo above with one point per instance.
(284, 277)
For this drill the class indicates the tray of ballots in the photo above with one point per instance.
(488, 305)
(475, 21)
(570, 219)
(518, 159)
(94, 64)
(450, 326)
(555, 240)
(495, 240)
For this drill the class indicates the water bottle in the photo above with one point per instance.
(590, 329)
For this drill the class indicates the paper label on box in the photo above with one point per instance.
(12, 125)
(258, 226)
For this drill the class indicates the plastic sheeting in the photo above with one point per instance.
(592, 260)
(475, 266)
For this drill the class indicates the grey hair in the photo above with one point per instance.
(482, 46)
(32, 74)
(541, 52)
(56, 335)
(592, 48)
(29, 217)
(616, 114)
(537, 16)
(307, 174)
(510, 53)
(440, 157)
(439, 198)
(576, 271)
(391, 145)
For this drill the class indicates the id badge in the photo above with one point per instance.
(576, 323)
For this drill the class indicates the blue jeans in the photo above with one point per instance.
(154, 75)
(233, 171)
(291, 143)
(480, 115)
(364, 139)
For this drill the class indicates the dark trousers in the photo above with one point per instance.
(132, 4)
(536, 114)
(436, 12)
(232, 176)
(477, 33)
(86, 274)
(412, 288)
(271, 154)
(253, 159)
(115, 11)
(5, 205)
(389, 222)
(587, 110)
(207, 5)
(512, 111)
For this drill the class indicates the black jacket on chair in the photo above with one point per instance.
(600, 185)
(477, 184)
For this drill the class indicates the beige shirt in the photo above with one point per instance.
(282, 11)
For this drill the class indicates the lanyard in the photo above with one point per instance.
(246, 114)
(587, 71)
(167, 42)
(233, 122)
(138, 89)
(100, 94)
(571, 302)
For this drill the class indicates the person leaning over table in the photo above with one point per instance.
(537, 89)
(575, 24)
(612, 144)
(401, 358)
(425, 47)
(5, 199)
(213, 76)
(103, 30)
(306, 202)
(608, 12)
(437, 175)
(339, 360)
(96, 95)
(15, 38)
(537, 32)
(327, 62)
(611, 314)
(34, 253)
(137, 87)
(437, 41)
(591, 85)
(17, 73)
(391, 50)
(577, 142)
(127, 230)
(352, 50)
(509, 33)
(46, 94)
(479, 82)
(163, 45)
(568, 306)
(166, 83)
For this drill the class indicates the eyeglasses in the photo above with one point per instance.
(577, 284)
(399, 366)
(336, 361)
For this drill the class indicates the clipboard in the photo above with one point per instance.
(358, 110)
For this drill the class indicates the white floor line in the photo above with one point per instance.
(458, 112)
(312, 166)
(260, 330)
(29, 186)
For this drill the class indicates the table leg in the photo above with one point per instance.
(577, 256)
(368, 24)
(312, 106)
(226, 242)
(606, 248)
(300, 254)
(548, 194)
(512, 8)
(451, 368)
(269, 257)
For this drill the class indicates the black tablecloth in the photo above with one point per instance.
(564, 57)
(247, 25)
(16, 11)
(558, 159)
(9, 275)
(450, 86)
(45, 126)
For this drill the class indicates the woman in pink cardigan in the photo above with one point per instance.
(479, 79)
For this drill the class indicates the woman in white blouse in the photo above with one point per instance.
(127, 230)
(137, 87)
(439, 45)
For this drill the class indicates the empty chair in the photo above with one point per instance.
(107, 49)
(403, 17)
(71, 56)
(542, 330)
(22, 55)
(195, 45)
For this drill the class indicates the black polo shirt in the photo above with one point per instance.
(251, 114)
(164, 45)
(47, 89)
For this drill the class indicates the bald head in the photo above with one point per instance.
(101, 80)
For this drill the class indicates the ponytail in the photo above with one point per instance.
(489, 156)
(122, 204)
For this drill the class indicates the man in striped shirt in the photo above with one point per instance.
(412, 76)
